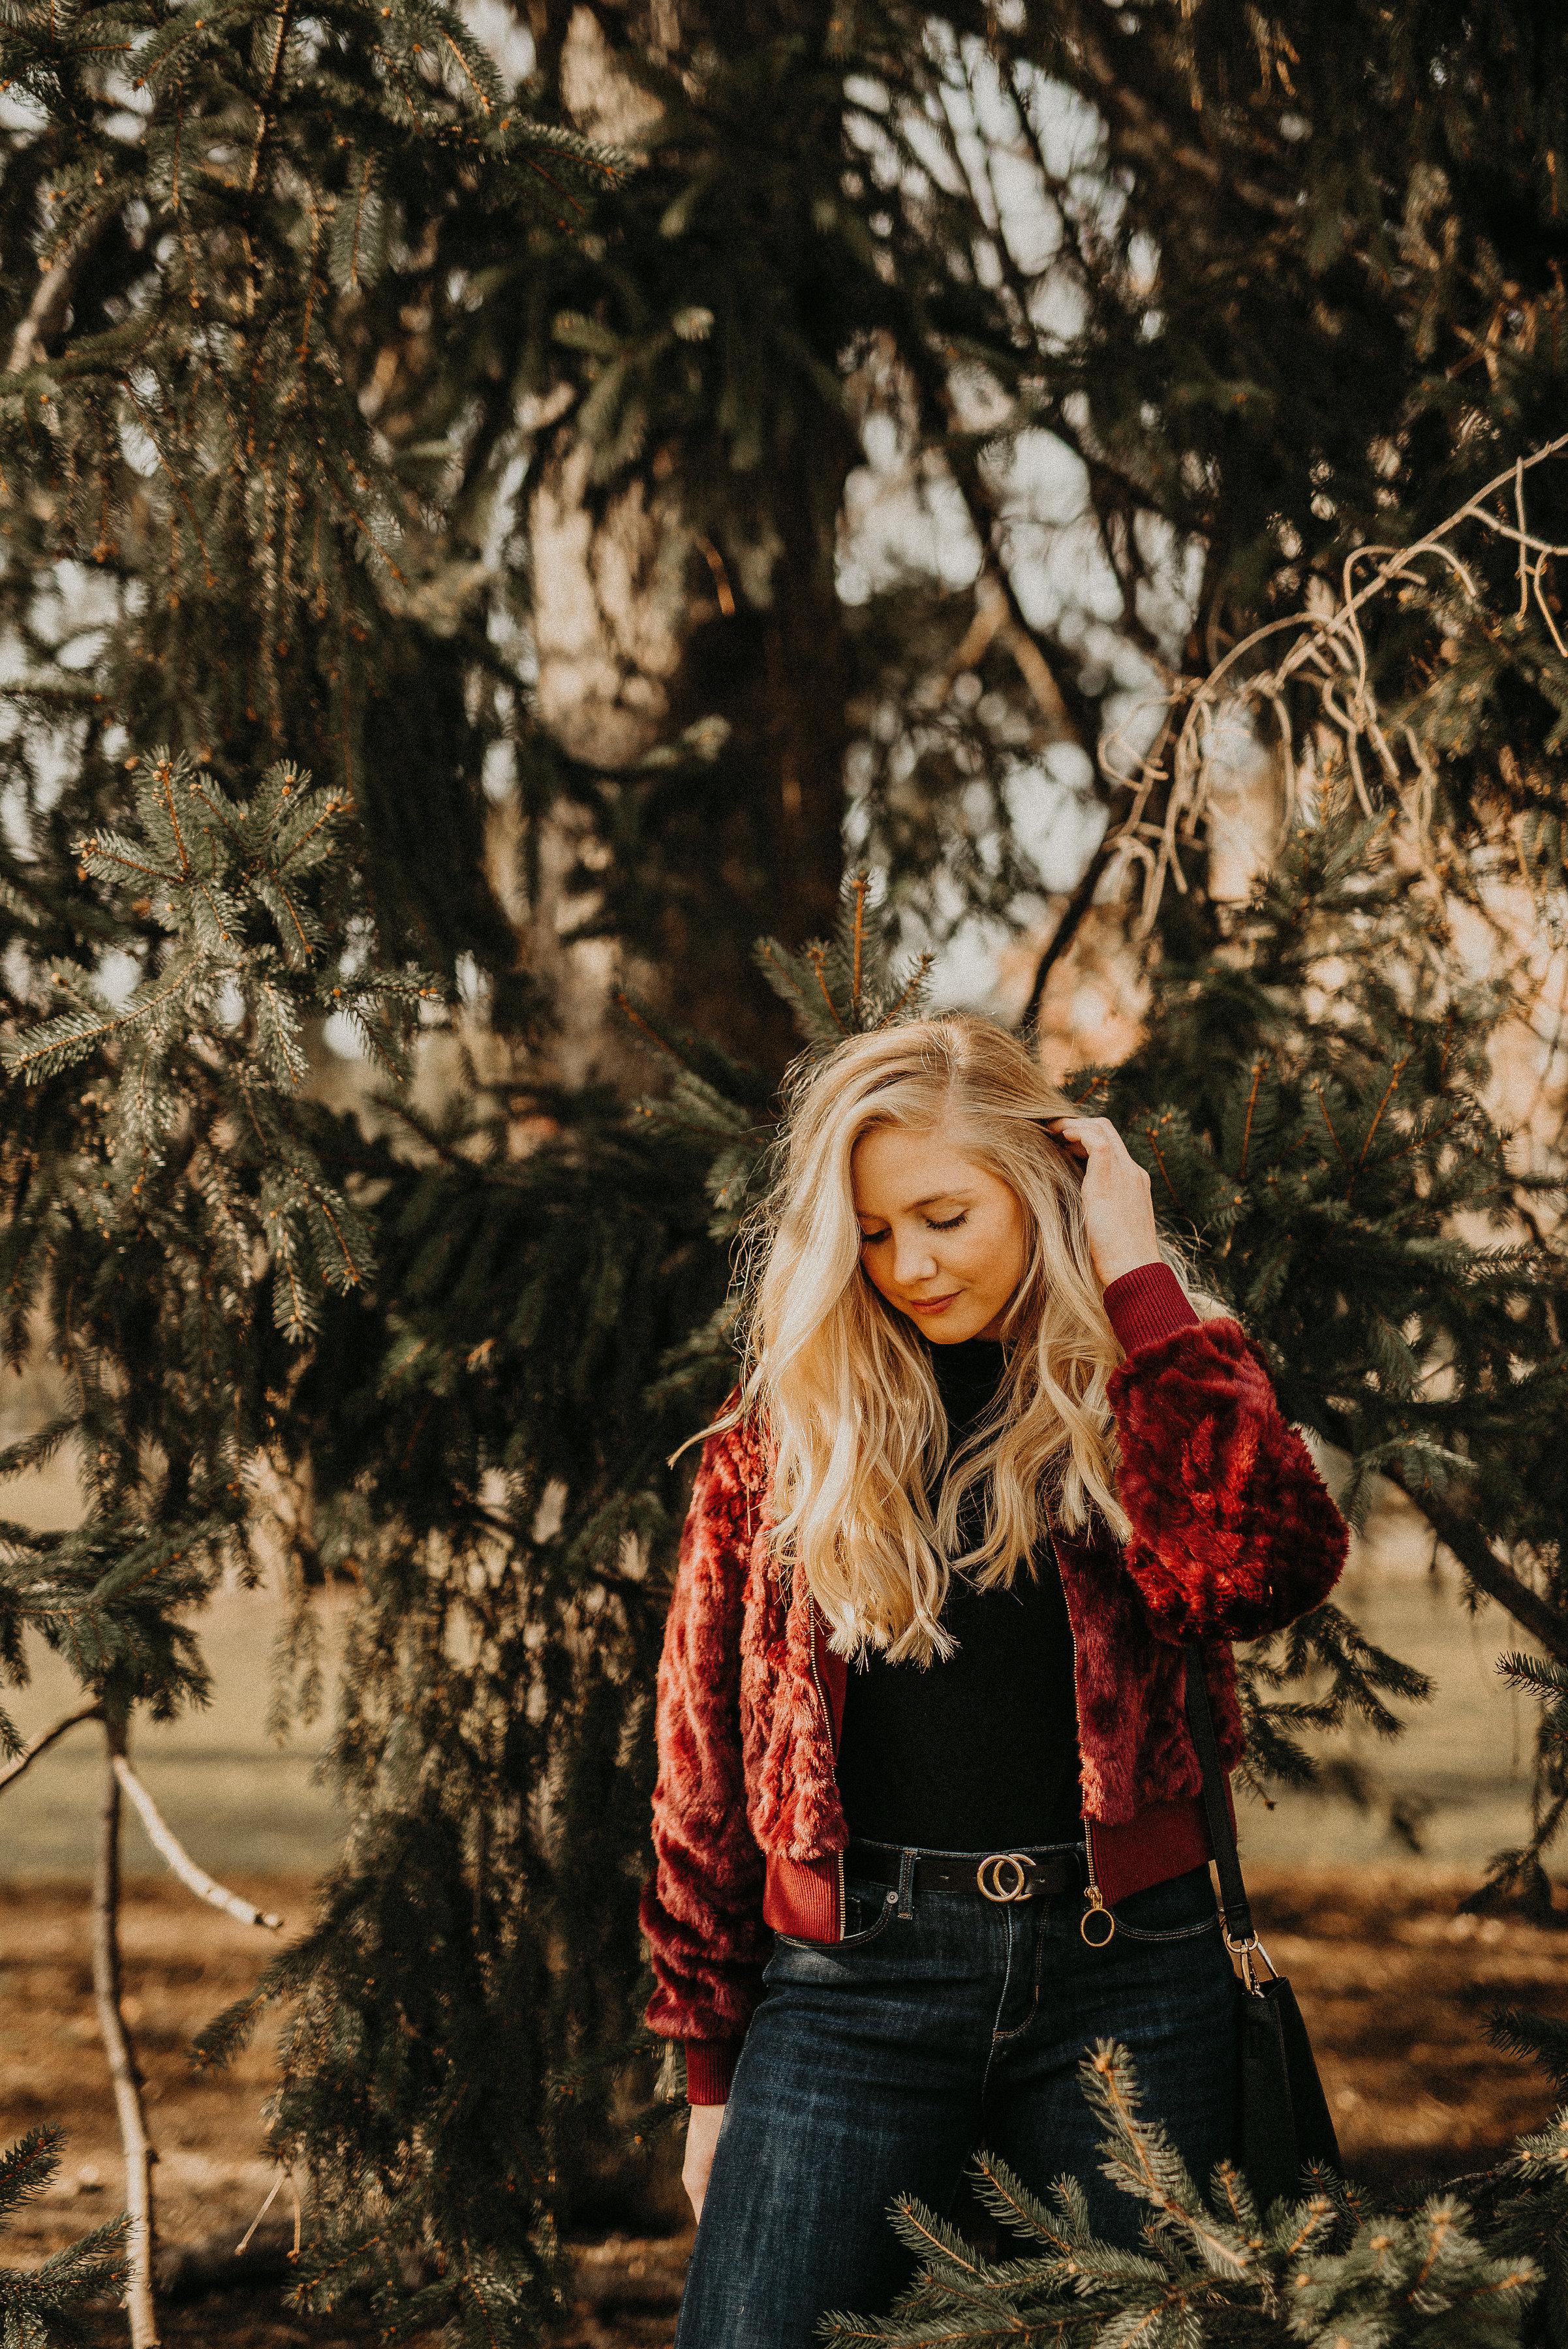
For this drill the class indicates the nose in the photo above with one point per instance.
(913, 1260)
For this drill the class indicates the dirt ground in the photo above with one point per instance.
(1397, 1987)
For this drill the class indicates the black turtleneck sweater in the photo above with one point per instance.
(978, 1752)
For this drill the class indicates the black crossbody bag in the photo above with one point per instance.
(1283, 2119)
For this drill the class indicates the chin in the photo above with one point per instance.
(946, 1332)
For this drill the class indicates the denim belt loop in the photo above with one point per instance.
(907, 1887)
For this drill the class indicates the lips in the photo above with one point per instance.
(932, 1304)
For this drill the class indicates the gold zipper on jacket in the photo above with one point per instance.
(833, 1750)
(1094, 1898)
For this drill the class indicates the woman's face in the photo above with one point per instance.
(940, 1237)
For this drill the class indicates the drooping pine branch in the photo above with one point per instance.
(1209, 2266)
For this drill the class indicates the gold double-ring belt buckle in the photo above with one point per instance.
(989, 1876)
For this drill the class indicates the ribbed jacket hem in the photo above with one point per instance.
(709, 2068)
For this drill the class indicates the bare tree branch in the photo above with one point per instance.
(1067, 928)
(165, 1842)
(46, 314)
(1063, 705)
(123, 2071)
(90, 1711)
(1534, 1614)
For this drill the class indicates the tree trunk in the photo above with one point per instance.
(123, 2071)
(808, 687)
(653, 628)
(758, 848)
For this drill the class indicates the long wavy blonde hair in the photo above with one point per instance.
(844, 1380)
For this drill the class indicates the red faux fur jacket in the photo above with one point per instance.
(1233, 1535)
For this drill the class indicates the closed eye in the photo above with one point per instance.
(870, 1239)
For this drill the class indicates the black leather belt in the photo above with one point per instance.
(999, 1876)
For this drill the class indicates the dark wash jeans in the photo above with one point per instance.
(875, 2066)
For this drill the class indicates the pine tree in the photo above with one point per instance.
(460, 2053)
(189, 1171)
(211, 208)
(1323, 1172)
(1325, 2270)
(43, 2304)
(1263, 285)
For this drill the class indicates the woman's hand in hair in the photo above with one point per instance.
(702, 2126)
(1118, 1198)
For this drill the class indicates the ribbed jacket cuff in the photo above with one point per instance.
(709, 2068)
(1146, 1305)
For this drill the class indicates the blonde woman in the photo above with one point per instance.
(927, 1820)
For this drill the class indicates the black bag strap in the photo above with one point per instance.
(1239, 1925)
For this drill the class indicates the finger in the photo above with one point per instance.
(1091, 1134)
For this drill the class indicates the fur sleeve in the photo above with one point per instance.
(1233, 1531)
(702, 1907)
